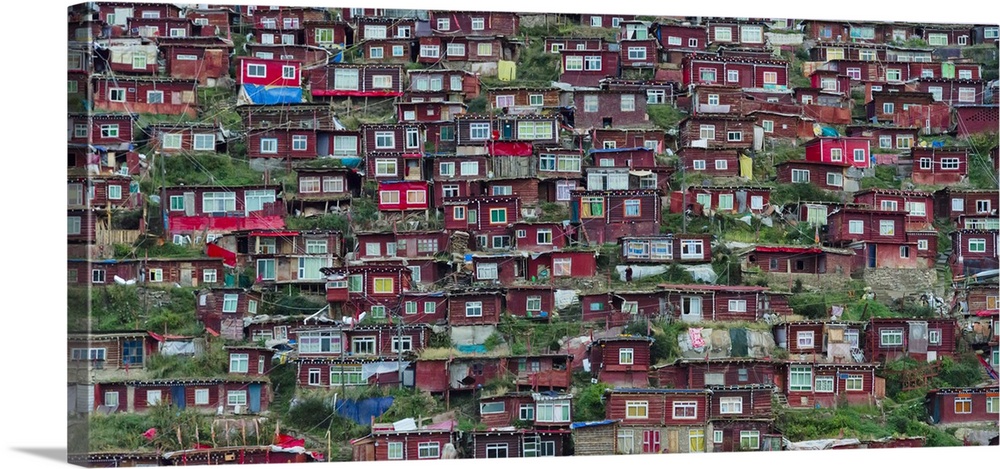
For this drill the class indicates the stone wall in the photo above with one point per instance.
(896, 283)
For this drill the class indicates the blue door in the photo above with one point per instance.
(254, 398)
(871, 255)
(177, 396)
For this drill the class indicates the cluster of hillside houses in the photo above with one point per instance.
(586, 143)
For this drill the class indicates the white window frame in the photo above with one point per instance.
(805, 339)
(636, 410)
(684, 407)
(730, 405)
(890, 337)
(474, 309)
(626, 356)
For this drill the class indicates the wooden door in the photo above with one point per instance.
(672, 441)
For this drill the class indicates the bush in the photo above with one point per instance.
(588, 404)
(809, 305)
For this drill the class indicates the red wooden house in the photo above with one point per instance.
(813, 385)
(539, 236)
(725, 199)
(110, 130)
(285, 256)
(555, 44)
(222, 309)
(204, 60)
(681, 37)
(962, 405)
(741, 418)
(383, 27)
(478, 306)
(654, 140)
(939, 166)
(697, 303)
(784, 125)
(476, 130)
(587, 67)
(249, 360)
(518, 98)
(145, 95)
(163, 26)
(853, 150)
(404, 195)
(423, 443)
(234, 396)
(385, 340)
(268, 72)
(524, 188)
(604, 20)
(825, 51)
(668, 248)
(920, 338)
(545, 370)
(559, 173)
(424, 308)
(717, 130)
(393, 151)
(800, 260)
(953, 204)
(170, 139)
(831, 81)
(608, 109)
(640, 53)
(480, 53)
(952, 91)
(213, 21)
(743, 71)
(285, 17)
(518, 443)
(851, 224)
(973, 251)
(659, 420)
(191, 210)
(117, 14)
(308, 55)
(701, 373)
(885, 138)
(475, 23)
(130, 56)
(321, 187)
(458, 177)
(109, 350)
(713, 161)
(829, 176)
(609, 214)
(374, 287)
(504, 410)
(918, 205)
(333, 35)
(825, 341)
(339, 373)
(483, 214)
(188, 272)
(341, 80)
(446, 84)
(909, 108)
(729, 31)
(622, 361)
(404, 244)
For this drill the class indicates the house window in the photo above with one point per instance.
(734, 136)
(834, 179)
(116, 95)
(627, 103)
(977, 245)
(534, 303)
(723, 34)
(486, 271)
(824, 384)
(385, 167)
(455, 49)
(239, 362)
(685, 410)
(109, 130)
(966, 95)
(288, 72)
(384, 285)
(993, 405)
(636, 409)
(543, 236)
(395, 450)
(904, 252)
(904, 141)
(836, 154)
(590, 103)
(573, 63)
(856, 227)
(691, 249)
(73, 225)
(934, 336)
(770, 78)
(592, 62)
(859, 155)
(385, 140)
(725, 201)
(805, 339)
(885, 141)
(731, 405)
(474, 309)
(656, 96)
(751, 34)
(737, 306)
(632, 208)
(706, 74)
(887, 227)
(479, 131)
(114, 192)
(692, 42)
(749, 439)
(637, 53)
(983, 206)
(706, 132)
(204, 142)
(444, 24)
(268, 145)
(217, 202)
(937, 39)
(888, 108)
(429, 51)
(596, 22)
(154, 397)
(963, 405)
(834, 53)
(430, 450)
(800, 378)
(891, 337)
(498, 216)
(365, 345)
(501, 242)
(535, 100)
(965, 74)
(854, 73)
(626, 356)
(562, 267)
(484, 49)
(800, 175)
(893, 74)
(496, 450)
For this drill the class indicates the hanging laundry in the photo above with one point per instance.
(697, 341)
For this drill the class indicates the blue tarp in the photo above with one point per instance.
(478, 348)
(364, 410)
(576, 425)
(260, 94)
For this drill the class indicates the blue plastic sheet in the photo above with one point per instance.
(364, 410)
(260, 94)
